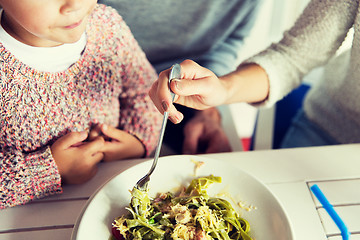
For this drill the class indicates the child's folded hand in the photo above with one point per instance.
(77, 160)
(118, 144)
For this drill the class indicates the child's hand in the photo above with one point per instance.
(118, 144)
(77, 160)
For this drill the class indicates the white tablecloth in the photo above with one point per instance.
(288, 173)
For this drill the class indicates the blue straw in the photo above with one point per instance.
(331, 211)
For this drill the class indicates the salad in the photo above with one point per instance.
(190, 214)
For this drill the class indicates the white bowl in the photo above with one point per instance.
(267, 222)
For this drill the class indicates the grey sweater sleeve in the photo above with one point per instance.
(311, 42)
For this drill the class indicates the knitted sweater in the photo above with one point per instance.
(108, 84)
(334, 101)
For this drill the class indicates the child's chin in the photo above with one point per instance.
(72, 39)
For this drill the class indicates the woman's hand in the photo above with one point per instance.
(204, 134)
(198, 88)
(77, 160)
(118, 144)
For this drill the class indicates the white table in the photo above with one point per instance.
(288, 173)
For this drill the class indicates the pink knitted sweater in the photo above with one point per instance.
(108, 84)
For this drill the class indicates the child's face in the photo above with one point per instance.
(46, 23)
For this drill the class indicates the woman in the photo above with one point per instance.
(331, 110)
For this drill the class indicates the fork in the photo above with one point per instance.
(142, 184)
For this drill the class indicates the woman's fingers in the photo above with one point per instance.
(198, 88)
(161, 97)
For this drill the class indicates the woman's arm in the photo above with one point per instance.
(270, 75)
(311, 42)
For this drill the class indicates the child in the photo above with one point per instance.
(67, 66)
